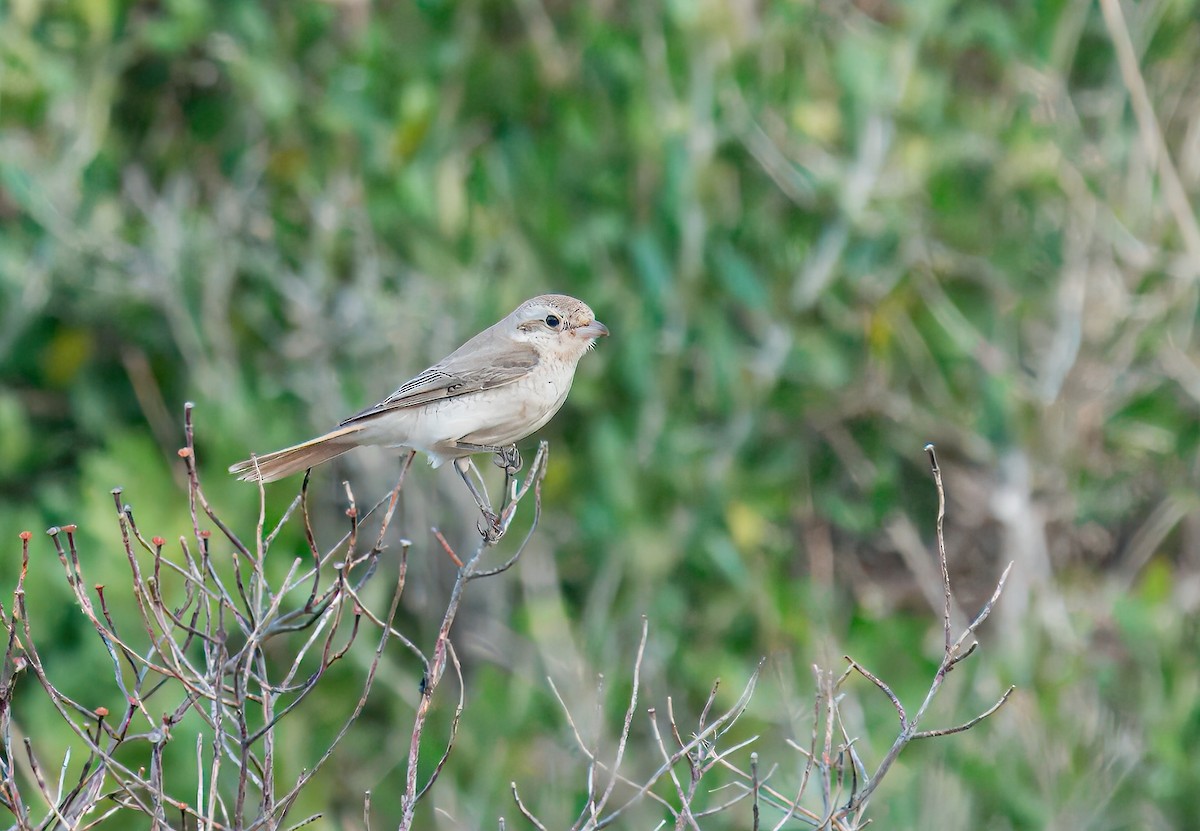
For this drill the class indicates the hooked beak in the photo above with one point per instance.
(595, 329)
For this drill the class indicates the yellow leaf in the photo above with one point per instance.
(747, 527)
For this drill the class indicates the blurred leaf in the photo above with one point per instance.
(746, 526)
(15, 435)
(738, 277)
(66, 354)
(652, 267)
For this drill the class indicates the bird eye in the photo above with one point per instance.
(552, 321)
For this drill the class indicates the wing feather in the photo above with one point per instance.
(485, 362)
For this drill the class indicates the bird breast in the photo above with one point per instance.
(510, 413)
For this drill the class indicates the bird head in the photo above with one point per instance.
(557, 325)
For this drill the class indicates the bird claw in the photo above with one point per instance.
(509, 460)
(491, 527)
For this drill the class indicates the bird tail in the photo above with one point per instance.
(281, 463)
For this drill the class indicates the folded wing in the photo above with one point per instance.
(481, 363)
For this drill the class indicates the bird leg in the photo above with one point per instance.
(465, 466)
(509, 459)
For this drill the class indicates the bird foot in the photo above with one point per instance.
(509, 460)
(491, 527)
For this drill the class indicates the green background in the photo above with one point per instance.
(822, 234)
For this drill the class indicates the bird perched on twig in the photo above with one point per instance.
(494, 390)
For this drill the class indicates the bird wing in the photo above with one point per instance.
(482, 363)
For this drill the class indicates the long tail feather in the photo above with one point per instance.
(281, 463)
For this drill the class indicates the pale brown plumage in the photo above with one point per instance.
(495, 389)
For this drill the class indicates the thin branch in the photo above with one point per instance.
(950, 731)
(525, 812)
(624, 737)
(892, 697)
(941, 540)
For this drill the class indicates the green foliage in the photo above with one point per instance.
(822, 235)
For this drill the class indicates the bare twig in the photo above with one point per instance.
(204, 657)
(953, 653)
(941, 540)
(525, 812)
(831, 760)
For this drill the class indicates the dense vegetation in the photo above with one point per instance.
(822, 234)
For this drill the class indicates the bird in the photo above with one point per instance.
(500, 386)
